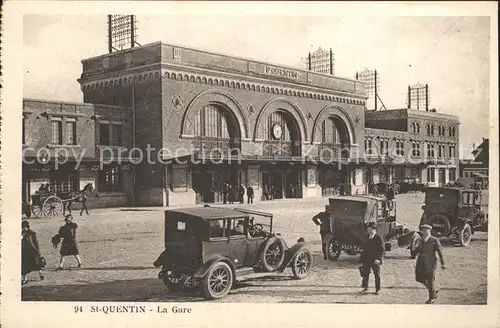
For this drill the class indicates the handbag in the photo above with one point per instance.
(42, 263)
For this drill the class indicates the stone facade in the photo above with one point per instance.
(286, 132)
(47, 140)
(168, 85)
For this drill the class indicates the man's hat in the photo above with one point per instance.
(371, 225)
(68, 217)
(426, 226)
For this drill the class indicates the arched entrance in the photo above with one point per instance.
(334, 141)
(217, 136)
(282, 141)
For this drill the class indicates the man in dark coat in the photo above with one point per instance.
(371, 257)
(241, 194)
(30, 253)
(390, 192)
(322, 219)
(230, 192)
(250, 194)
(425, 270)
(225, 192)
(342, 190)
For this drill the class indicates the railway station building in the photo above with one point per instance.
(174, 124)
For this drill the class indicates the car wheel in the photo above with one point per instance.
(302, 264)
(415, 240)
(273, 254)
(218, 281)
(465, 235)
(173, 281)
(334, 250)
(440, 225)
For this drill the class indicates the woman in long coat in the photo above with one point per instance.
(69, 247)
(31, 259)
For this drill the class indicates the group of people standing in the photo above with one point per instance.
(32, 260)
(428, 252)
(230, 193)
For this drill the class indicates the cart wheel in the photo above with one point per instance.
(334, 250)
(218, 281)
(465, 235)
(53, 206)
(302, 264)
(414, 245)
(37, 211)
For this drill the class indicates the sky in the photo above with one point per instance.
(450, 54)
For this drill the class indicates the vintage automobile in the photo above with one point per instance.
(350, 216)
(455, 213)
(210, 247)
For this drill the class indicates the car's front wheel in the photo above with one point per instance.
(302, 264)
(465, 235)
(218, 281)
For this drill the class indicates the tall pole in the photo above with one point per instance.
(331, 62)
(409, 97)
(376, 93)
(309, 61)
(132, 31)
(133, 142)
(426, 97)
(110, 43)
(418, 98)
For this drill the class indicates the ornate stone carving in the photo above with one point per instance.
(250, 109)
(177, 101)
(309, 116)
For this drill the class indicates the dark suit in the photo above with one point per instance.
(250, 194)
(425, 270)
(373, 249)
(323, 220)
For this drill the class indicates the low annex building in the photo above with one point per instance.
(208, 119)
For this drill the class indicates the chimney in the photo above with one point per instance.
(473, 146)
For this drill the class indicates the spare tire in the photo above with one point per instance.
(273, 254)
(440, 225)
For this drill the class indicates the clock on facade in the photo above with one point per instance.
(277, 131)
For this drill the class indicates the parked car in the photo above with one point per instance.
(210, 247)
(350, 216)
(455, 213)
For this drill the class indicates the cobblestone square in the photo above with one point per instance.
(119, 246)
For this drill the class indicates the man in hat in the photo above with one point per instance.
(371, 257)
(322, 219)
(425, 270)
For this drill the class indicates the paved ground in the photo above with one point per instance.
(119, 246)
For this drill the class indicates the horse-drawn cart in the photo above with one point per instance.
(44, 204)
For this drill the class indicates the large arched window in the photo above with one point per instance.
(212, 121)
(329, 132)
(215, 127)
(282, 135)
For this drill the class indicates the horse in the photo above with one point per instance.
(80, 196)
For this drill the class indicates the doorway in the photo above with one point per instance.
(441, 177)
